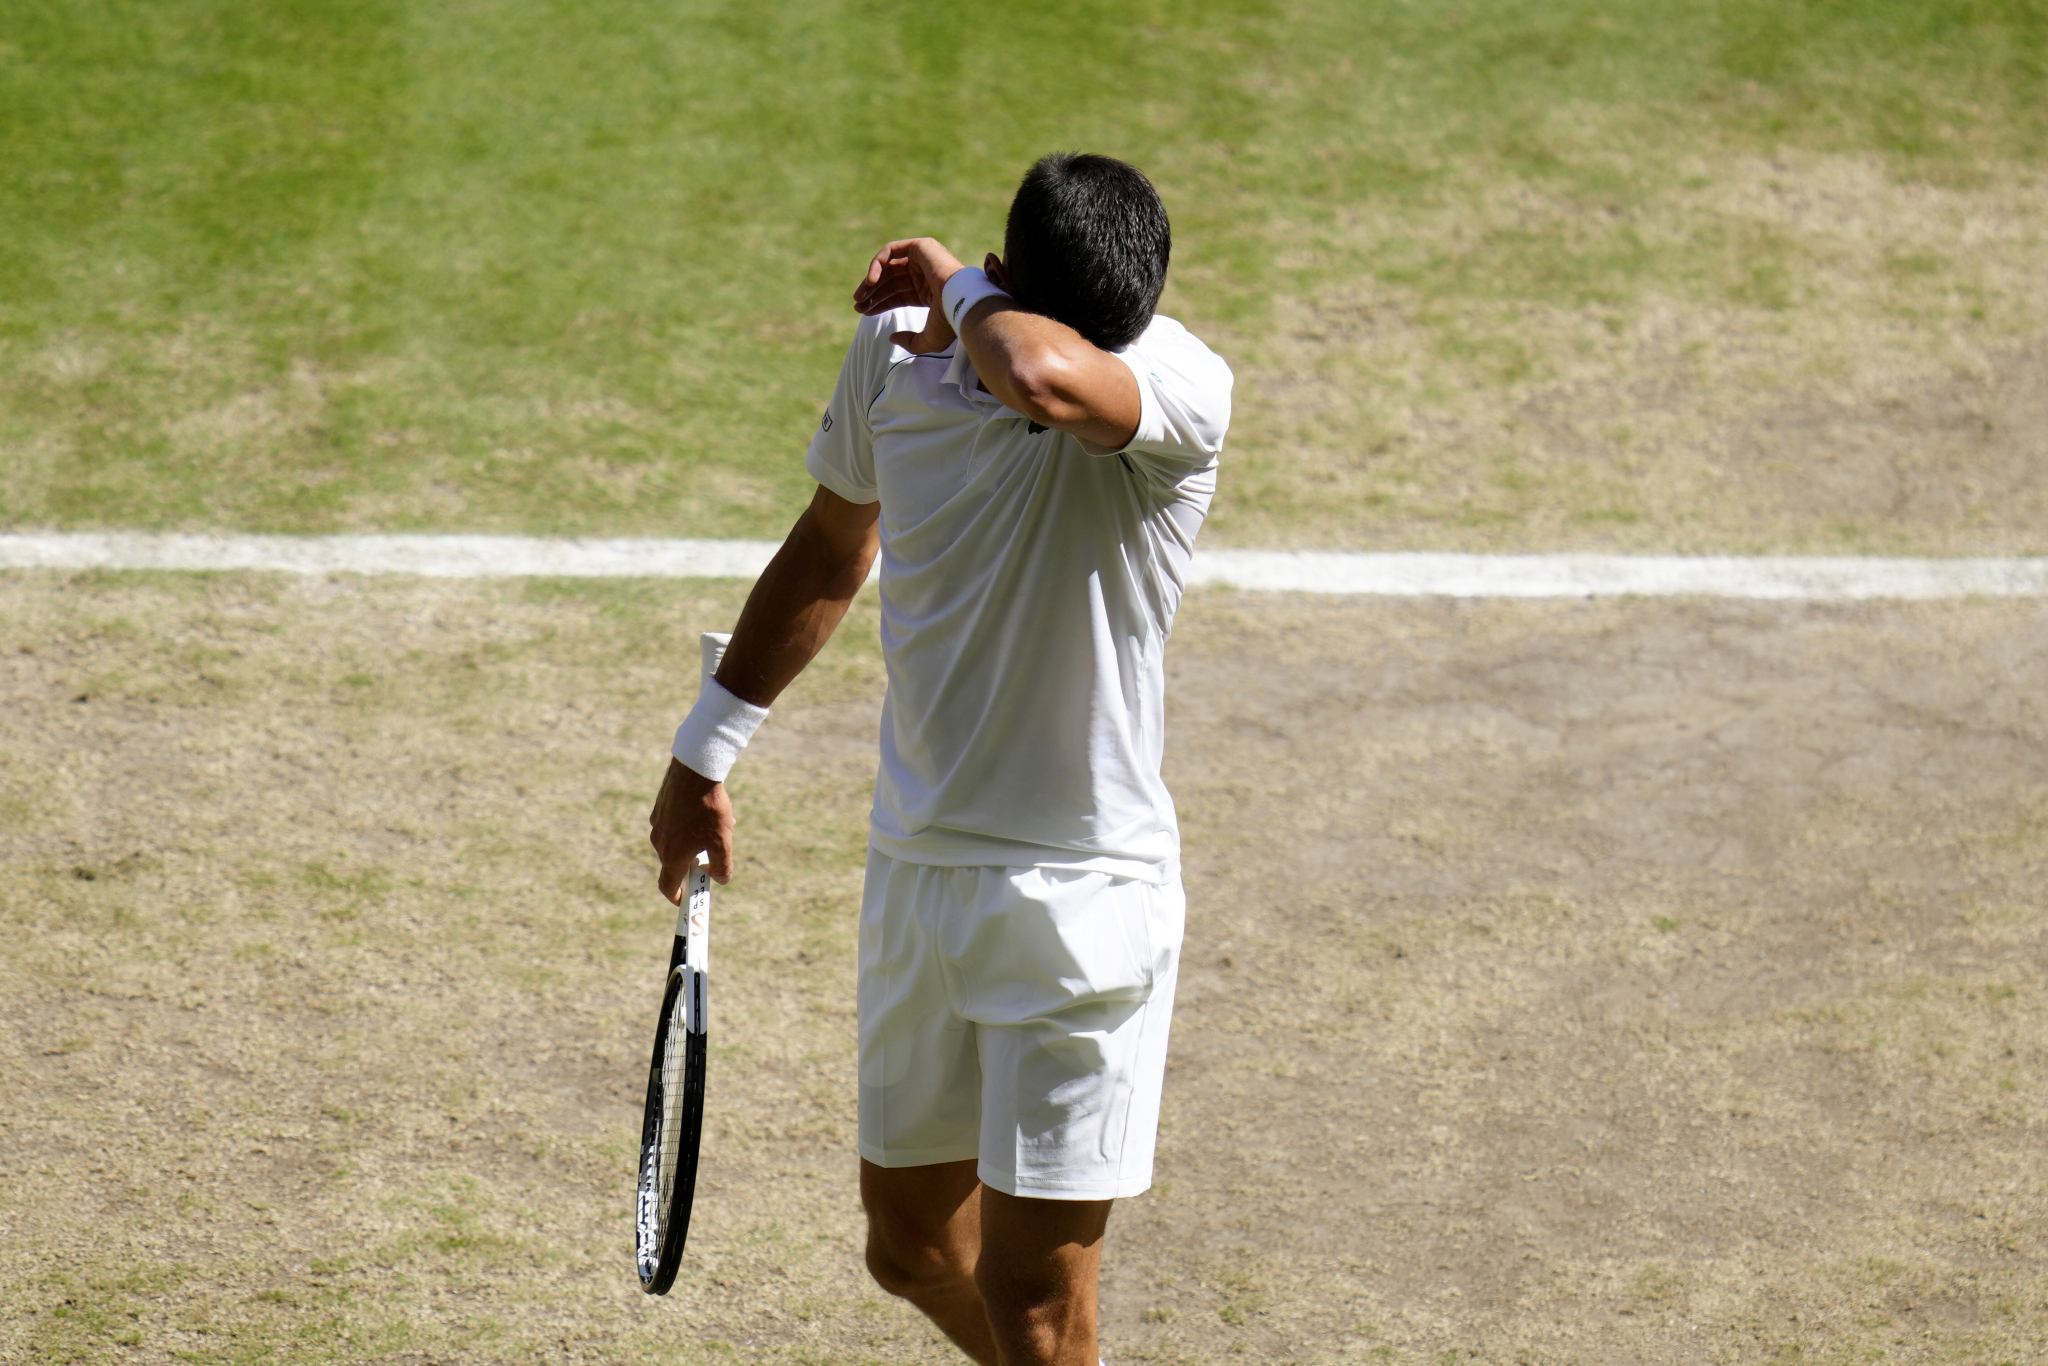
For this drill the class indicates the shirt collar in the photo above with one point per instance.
(960, 373)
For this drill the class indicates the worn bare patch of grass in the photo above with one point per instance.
(1631, 981)
(339, 995)
(1810, 355)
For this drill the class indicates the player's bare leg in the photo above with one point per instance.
(1037, 1275)
(1011, 1281)
(924, 1237)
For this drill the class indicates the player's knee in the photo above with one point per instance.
(911, 1272)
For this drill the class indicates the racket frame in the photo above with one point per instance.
(659, 1234)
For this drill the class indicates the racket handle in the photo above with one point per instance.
(697, 917)
(693, 918)
(697, 882)
(696, 897)
(696, 887)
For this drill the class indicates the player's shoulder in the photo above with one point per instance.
(1167, 344)
(871, 334)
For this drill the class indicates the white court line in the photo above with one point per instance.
(1823, 578)
(440, 557)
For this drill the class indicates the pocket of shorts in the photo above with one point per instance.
(1145, 945)
(1166, 927)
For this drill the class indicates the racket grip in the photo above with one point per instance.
(690, 895)
(680, 949)
(692, 942)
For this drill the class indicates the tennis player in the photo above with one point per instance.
(1031, 449)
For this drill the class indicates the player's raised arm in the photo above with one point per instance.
(1084, 260)
(1047, 371)
(1035, 364)
(796, 604)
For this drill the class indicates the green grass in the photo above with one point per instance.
(515, 265)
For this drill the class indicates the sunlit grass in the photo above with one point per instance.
(509, 266)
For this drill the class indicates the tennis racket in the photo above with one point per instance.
(674, 1119)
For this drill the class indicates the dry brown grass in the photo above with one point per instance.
(1811, 353)
(1565, 982)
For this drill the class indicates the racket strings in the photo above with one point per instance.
(672, 1121)
(674, 1063)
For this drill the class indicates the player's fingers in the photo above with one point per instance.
(889, 264)
(897, 278)
(673, 874)
(902, 252)
(869, 282)
(719, 856)
(882, 300)
(657, 836)
(879, 267)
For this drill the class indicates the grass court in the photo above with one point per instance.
(1566, 982)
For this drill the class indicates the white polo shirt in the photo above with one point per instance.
(1027, 591)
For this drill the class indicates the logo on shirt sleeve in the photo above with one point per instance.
(826, 425)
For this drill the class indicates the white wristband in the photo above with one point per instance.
(716, 730)
(968, 286)
(719, 726)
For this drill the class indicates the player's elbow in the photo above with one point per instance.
(1043, 388)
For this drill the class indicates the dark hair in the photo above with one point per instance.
(1087, 243)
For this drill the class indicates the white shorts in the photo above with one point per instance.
(1018, 1016)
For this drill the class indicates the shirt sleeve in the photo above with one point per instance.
(1184, 390)
(842, 451)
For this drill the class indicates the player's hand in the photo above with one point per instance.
(691, 816)
(910, 274)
